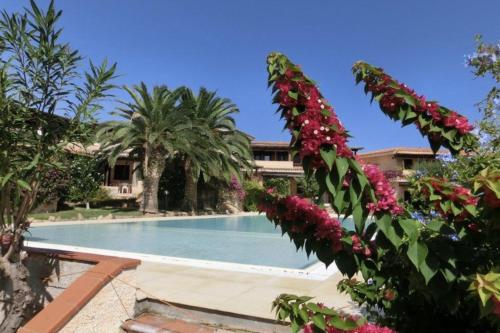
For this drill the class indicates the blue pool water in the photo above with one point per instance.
(244, 239)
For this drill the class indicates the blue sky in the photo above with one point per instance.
(223, 44)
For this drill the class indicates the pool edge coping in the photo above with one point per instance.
(39, 223)
(315, 271)
(56, 314)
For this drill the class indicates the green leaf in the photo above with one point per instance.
(359, 217)
(484, 295)
(346, 264)
(448, 275)
(342, 166)
(439, 226)
(456, 211)
(328, 156)
(471, 210)
(428, 268)
(304, 315)
(338, 200)
(385, 225)
(355, 166)
(5, 179)
(329, 184)
(417, 252)
(319, 321)
(293, 95)
(343, 324)
(23, 184)
(410, 227)
(450, 135)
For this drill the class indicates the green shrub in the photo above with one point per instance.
(280, 185)
(308, 187)
(252, 191)
(101, 195)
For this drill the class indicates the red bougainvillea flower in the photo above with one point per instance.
(386, 196)
(399, 102)
(310, 116)
(490, 198)
(297, 214)
(496, 306)
(308, 328)
(449, 200)
(315, 127)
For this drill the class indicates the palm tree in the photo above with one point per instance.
(154, 128)
(228, 148)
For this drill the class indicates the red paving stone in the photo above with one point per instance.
(59, 312)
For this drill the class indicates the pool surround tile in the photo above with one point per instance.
(57, 313)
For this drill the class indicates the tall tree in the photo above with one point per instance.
(46, 102)
(153, 128)
(228, 148)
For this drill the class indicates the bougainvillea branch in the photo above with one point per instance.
(315, 317)
(307, 225)
(408, 265)
(442, 126)
(321, 140)
(453, 202)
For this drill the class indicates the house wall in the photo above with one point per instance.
(121, 188)
(390, 162)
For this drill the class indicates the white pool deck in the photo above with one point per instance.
(242, 289)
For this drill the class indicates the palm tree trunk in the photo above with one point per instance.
(152, 174)
(190, 189)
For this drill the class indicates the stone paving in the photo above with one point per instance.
(249, 294)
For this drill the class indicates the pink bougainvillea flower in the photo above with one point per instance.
(298, 213)
(385, 193)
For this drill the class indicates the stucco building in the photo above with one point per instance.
(398, 164)
(273, 159)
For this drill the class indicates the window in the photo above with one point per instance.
(408, 164)
(282, 156)
(262, 156)
(122, 172)
(257, 155)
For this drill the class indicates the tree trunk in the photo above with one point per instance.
(153, 172)
(87, 205)
(190, 189)
(18, 298)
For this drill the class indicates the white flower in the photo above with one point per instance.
(322, 128)
(322, 106)
(327, 138)
(306, 122)
(319, 100)
(315, 132)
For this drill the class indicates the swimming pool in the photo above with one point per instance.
(245, 240)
